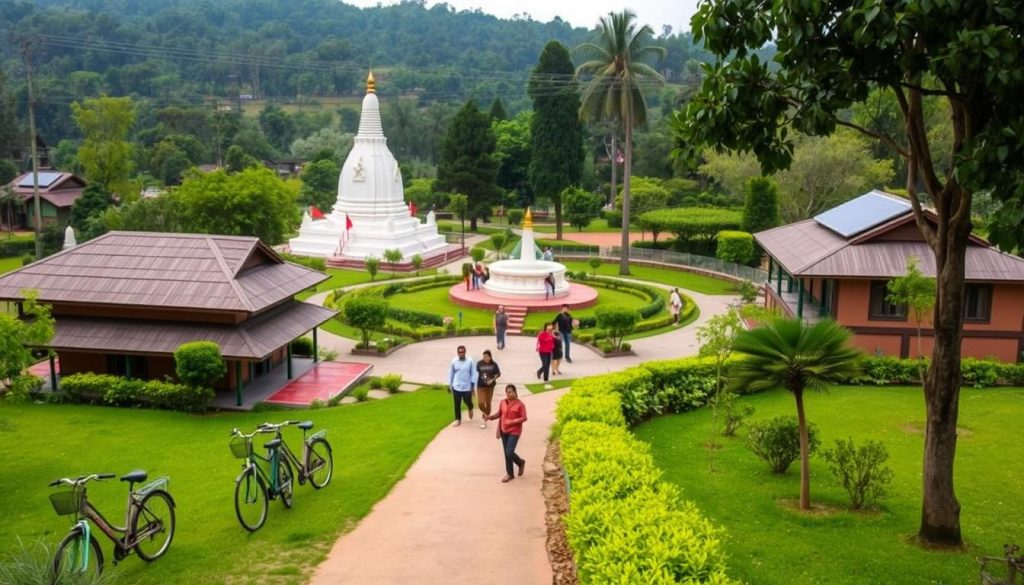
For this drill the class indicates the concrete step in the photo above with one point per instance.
(516, 317)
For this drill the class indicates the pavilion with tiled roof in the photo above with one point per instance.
(125, 301)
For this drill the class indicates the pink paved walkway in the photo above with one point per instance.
(325, 380)
(451, 520)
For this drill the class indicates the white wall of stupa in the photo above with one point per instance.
(371, 198)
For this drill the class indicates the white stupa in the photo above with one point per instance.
(371, 203)
(523, 277)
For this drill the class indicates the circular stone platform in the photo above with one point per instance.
(579, 296)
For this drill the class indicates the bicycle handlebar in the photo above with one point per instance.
(274, 426)
(81, 479)
(239, 433)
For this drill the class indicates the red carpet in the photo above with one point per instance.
(322, 382)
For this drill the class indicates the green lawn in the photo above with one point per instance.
(374, 444)
(9, 264)
(342, 277)
(677, 278)
(769, 543)
(596, 226)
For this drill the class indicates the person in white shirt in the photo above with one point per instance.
(675, 305)
(462, 378)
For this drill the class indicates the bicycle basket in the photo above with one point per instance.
(66, 502)
(240, 447)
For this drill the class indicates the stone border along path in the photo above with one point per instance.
(450, 519)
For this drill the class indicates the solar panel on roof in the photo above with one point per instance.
(45, 179)
(862, 213)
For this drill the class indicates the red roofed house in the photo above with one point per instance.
(125, 301)
(58, 191)
(838, 264)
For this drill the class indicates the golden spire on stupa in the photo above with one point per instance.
(371, 85)
(528, 219)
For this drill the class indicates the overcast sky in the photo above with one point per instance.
(584, 13)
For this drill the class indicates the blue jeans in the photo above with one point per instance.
(501, 337)
(567, 340)
(508, 445)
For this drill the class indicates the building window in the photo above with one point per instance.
(880, 307)
(978, 302)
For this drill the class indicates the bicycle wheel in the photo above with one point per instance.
(319, 462)
(251, 500)
(70, 551)
(285, 482)
(154, 525)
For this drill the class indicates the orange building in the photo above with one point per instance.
(124, 302)
(839, 263)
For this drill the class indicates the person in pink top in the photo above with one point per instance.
(512, 415)
(545, 346)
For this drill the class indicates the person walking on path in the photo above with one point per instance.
(488, 372)
(549, 285)
(512, 415)
(564, 323)
(500, 325)
(556, 353)
(461, 379)
(545, 347)
(675, 305)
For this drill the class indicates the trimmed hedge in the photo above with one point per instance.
(735, 246)
(319, 264)
(118, 391)
(624, 524)
(979, 373)
(12, 247)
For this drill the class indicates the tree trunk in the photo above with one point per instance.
(940, 510)
(626, 170)
(611, 199)
(557, 200)
(805, 456)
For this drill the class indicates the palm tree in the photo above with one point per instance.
(787, 353)
(619, 62)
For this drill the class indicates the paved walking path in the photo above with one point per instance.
(450, 519)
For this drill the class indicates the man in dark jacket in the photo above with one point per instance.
(564, 324)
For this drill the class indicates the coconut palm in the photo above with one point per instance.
(787, 353)
(619, 63)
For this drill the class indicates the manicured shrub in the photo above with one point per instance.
(477, 254)
(733, 414)
(747, 290)
(860, 470)
(614, 218)
(594, 262)
(118, 391)
(367, 314)
(302, 346)
(979, 373)
(361, 393)
(515, 216)
(735, 246)
(199, 363)
(391, 382)
(172, 396)
(617, 321)
(693, 222)
(372, 265)
(761, 205)
(309, 262)
(777, 441)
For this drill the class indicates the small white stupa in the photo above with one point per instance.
(370, 214)
(524, 277)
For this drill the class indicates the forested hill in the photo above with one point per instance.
(181, 48)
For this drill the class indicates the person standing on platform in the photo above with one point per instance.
(512, 415)
(549, 285)
(500, 325)
(488, 371)
(462, 378)
(564, 323)
(545, 346)
(548, 254)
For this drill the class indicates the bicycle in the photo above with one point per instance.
(252, 494)
(317, 464)
(148, 526)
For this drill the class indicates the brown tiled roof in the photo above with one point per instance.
(181, 271)
(254, 339)
(808, 249)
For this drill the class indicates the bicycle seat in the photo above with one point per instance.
(272, 444)
(135, 476)
(305, 425)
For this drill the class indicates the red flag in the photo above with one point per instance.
(412, 208)
(315, 213)
(348, 223)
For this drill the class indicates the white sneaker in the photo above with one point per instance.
(483, 425)
(456, 423)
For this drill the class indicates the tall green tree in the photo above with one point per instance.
(789, 354)
(497, 111)
(619, 62)
(253, 202)
(105, 153)
(320, 184)
(467, 162)
(760, 206)
(830, 55)
(17, 338)
(556, 133)
(93, 202)
(512, 152)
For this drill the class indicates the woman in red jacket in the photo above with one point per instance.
(545, 346)
(512, 413)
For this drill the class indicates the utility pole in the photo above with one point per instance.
(26, 54)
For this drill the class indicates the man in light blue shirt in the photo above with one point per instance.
(461, 381)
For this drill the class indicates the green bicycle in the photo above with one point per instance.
(254, 487)
(317, 463)
(148, 523)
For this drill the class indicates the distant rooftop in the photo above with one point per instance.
(46, 178)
